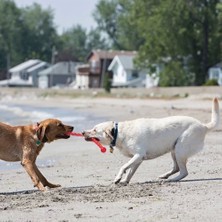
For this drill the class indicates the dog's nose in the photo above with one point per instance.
(71, 128)
(83, 133)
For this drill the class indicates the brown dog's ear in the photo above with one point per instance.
(108, 134)
(41, 133)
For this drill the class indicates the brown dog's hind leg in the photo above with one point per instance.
(44, 180)
(30, 169)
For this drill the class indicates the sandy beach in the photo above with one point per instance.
(86, 174)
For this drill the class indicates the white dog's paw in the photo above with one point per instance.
(172, 180)
(117, 180)
(163, 177)
(124, 183)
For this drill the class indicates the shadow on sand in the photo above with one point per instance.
(82, 188)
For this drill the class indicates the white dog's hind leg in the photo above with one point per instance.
(174, 170)
(183, 171)
(181, 155)
(137, 158)
(130, 173)
(189, 143)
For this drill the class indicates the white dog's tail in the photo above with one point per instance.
(215, 116)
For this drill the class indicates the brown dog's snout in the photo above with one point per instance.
(71, 128)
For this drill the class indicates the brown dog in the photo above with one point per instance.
(24, 143)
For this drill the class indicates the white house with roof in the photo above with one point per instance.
(19, 75)
(62, 74)
(34, 71)
(215, 72)
(125, 74)
(23, 74)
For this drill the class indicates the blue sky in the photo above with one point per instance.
(67, 12)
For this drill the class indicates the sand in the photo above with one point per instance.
(86, 174)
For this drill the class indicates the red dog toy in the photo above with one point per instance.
(102, 148)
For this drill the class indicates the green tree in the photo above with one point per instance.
(76, 42)
(114, 18)
(180, 30)
(188, 32)
(175, 75)
(95, 40)
(73, 41)
(25, 33)
(39, 34)
(10, 33)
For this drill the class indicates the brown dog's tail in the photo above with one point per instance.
(215, 116)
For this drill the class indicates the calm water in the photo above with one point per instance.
(23, 115)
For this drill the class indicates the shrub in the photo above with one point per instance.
(174, 74)
(107, 83)
(211, 82)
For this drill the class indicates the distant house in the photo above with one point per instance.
(124, 72)
(215, 72)
(58, 75)
(20, 75)
(99, 61)
(85, 79)
(34, 71)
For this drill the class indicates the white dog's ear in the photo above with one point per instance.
(108, 134)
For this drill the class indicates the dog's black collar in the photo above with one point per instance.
(114, 134)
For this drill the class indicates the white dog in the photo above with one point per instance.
(144, 139)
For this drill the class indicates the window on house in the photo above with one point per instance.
(215, 74)
(24, 75)
(135, 74)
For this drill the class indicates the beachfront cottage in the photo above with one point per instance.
(59, 75)
(215, 72)
(24, 74)
(99, 61)
(34, 71)
(85, 79)
(124, 72)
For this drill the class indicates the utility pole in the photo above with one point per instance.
(8, 65)
(54, 53)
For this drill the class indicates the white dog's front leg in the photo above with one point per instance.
(130, 173)
(137, 158)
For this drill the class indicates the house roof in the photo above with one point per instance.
(60, 68)
(125, 60)
(25, 65)
(37, 66)
(218, 65)
(102, 54)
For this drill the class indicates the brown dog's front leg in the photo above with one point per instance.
(44, 180)
(30, 169)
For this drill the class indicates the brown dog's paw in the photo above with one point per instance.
(40, 186)
(50, 185)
